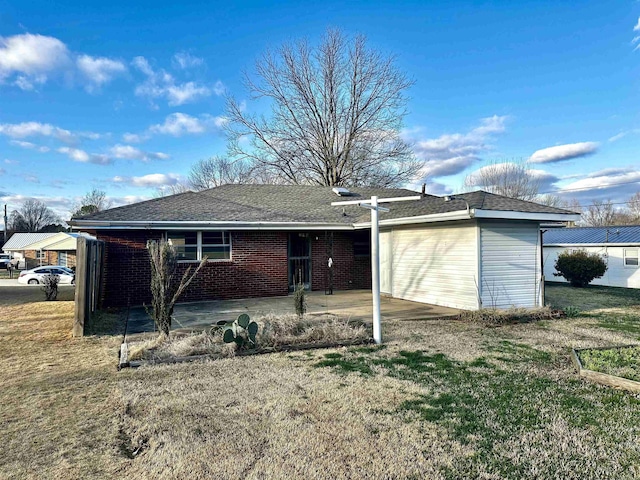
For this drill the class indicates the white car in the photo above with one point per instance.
(36, 275)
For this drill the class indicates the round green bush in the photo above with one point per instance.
(580, 267)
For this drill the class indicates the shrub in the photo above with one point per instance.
(166, 286)
(580, 267)
(50, 286)
(299, 301)
(494, 316)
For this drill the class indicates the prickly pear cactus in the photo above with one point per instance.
(241, 331)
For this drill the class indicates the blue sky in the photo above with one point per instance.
(125, 96)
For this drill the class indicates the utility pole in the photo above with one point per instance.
(373, 205)
(5, 224)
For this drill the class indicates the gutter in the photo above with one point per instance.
(465, 214)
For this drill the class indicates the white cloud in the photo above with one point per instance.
(219, 88)
(78, 155)
(32, 129)
(185, 93)
(128, 152)
(134, 138)
(151, 180)
(186, 60)
(29, 146)
(450, 154)
(637, 27)
(617, 182)
(160, 84)
(31, 58)
(99, 70)
(31, 178)
(545, 180)
(178, 124)
(623, 134)
(563, 152)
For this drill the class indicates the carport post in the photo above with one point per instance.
(375, 252)
(375, 270)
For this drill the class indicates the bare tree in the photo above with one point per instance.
(94, 201)
(511, 179)
(337, 110)
(550, 200)
(216, 171)
(175, 189)
(166, 286)
(32, 216)
(633, 206)
(599, 214)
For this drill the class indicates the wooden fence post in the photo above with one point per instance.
(81, 281)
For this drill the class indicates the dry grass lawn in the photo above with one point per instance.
(442, 399)
(59, 403)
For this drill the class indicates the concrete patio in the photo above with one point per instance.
(355, 304)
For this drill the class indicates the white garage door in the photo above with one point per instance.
(433, 265)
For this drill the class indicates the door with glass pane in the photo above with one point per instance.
(299, 260)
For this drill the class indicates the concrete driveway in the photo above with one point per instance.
(352, 303)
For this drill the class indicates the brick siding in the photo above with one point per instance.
(258, 268)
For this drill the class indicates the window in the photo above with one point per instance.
(41, 255)
(630, 257)
(193, 246)
(362, 244)
(185, 243)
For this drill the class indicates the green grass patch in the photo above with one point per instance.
(372, 349)
(518, 352)
(342, 365)
(481, 404)
(620, 323)
(591, 297)
(621, 362)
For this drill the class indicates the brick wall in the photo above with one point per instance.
(51, 258)
(349, 271)
(259, 267)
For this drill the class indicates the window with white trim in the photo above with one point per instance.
(41, 255)
(194, 246)
(630, 257)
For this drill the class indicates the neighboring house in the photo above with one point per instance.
(16, 246)
(34, 249)
(477, 249)
(619, 246)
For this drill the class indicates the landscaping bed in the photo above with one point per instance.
(616, 366)
(275, 333)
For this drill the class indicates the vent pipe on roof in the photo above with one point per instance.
(424, 189)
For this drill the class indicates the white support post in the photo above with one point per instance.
(375, 251)
(375, 271)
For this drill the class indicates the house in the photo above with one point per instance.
(619, 246)
(33, 249)
(468, 251)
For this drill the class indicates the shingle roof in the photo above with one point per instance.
(19, 240)
(297, 203)
(593, 235)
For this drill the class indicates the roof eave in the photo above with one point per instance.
(473, 213)
(598, 244)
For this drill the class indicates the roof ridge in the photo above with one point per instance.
(151, 200)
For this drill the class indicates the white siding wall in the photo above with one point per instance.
(510, 268)
(434, 264)
(617, 275)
